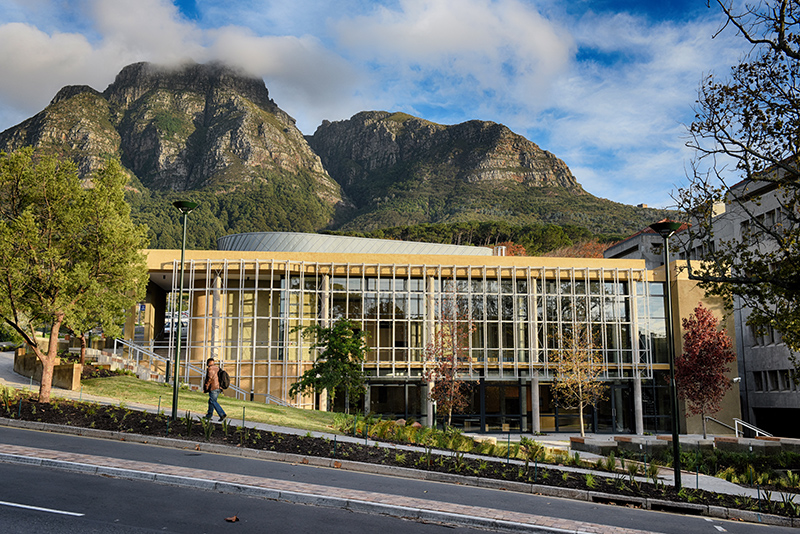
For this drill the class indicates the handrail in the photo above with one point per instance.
(758, 431)
(140, 349)
(709, 418)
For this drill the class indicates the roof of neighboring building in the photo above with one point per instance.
(300, 242)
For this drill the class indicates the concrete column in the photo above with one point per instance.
(326, 300)
(429, 405)
(536, 425)
(430, 325)
(638, 414)
(216, 329)
(367, 399)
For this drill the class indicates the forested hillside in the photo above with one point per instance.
(211, 134)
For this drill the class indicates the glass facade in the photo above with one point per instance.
(246, 313)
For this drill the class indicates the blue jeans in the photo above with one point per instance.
(214, 405)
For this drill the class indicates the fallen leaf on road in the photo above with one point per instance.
(233, 519)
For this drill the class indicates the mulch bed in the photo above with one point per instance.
(122, 419)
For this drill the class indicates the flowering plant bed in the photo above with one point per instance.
(623, 488)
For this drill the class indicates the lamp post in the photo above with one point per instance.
(666, 229)
(185, 207)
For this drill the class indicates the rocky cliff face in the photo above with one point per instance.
(216, 132)
(402, 170)
(197, 126)
(474, 151)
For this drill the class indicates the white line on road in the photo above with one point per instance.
(37, 508)
(720, 528)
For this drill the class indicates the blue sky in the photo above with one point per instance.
(606, 85)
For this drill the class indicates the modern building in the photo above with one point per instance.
(247, 299)
(769, 396)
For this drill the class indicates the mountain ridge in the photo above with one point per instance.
(212, 132)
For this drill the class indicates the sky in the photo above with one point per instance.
(608, 86)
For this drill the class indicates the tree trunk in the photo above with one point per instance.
(703, 415)
(48, 362)
(580, 419)
(83, 349)
(347, 400)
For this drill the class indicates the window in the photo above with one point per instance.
(784, 380)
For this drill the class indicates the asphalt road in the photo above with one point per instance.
(143, 505)
(129, 506)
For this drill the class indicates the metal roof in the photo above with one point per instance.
(299, 242)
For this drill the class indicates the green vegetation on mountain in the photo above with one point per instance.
(537, 238)
(211, 134)
(282, 202)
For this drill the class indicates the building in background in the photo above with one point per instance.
(769, 397)
(247, 299)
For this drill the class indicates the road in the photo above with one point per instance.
(136, 506)
(129, 506)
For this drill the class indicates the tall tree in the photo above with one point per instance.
(700, 369)
(63, 248)
(116, 278)
(341, 351)
(746, 135)
(445, 356)
(578, 369)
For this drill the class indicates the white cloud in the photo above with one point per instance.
(625, 112)
(145, 30)
(608, 93)
(35, 65)
(306, 80)
(462, 50)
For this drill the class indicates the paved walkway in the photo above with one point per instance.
(690, 480)
(303, 493)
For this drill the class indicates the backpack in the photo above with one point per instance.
(224, 378)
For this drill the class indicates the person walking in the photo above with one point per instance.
(212, 387)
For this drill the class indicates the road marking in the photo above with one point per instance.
(720, 528)
(39, 509)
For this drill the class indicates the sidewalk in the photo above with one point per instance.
(303, 493)
(690, 480)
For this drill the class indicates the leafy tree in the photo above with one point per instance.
(107, 225)
(577, 369)
(341, 348)
(445, 354)
(746, 135)
(700, 370)
(584, 249)
(63, 247)
(513, 249)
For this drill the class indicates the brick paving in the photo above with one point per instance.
(399, 506)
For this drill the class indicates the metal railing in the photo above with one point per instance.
(709, 418)
(149, 365)
(739, 423)
(739, 427)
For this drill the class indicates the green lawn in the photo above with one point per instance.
(128, 389)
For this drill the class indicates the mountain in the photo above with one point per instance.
(213, 134)
(401, 170)
(198, 128)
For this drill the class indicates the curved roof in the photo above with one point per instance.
(299, 242)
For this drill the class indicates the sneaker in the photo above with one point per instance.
(221, 419)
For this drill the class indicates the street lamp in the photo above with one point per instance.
(666, 229)
(185, 207)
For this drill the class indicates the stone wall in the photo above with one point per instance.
(65, 376)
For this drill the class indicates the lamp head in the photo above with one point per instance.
(666, 228)
(185, 206)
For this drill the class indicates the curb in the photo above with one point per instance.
(353, 505)
(718, 512)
